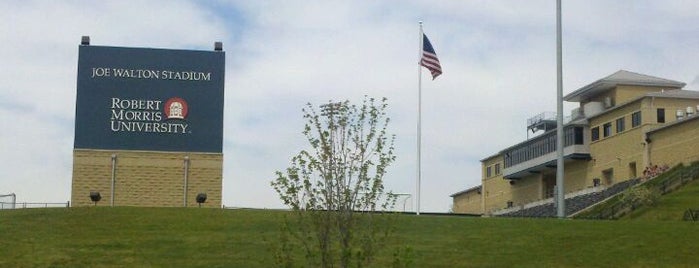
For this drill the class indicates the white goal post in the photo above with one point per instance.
(8, 201)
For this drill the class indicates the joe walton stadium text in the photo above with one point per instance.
(150, 74)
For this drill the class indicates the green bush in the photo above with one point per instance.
(641, 195)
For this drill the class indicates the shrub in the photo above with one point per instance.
(641, 195)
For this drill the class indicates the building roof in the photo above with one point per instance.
(675, 94)
(490, 157)
(621, 77)
(475, 188)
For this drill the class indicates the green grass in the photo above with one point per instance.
(128, 237)
(190, 237)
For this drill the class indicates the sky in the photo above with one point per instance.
(498, 59)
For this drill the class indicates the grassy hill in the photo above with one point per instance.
(191, 237)
(670, 207)
(662, 187)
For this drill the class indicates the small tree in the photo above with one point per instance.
(329, 186)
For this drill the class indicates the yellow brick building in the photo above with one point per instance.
(625, 122)
(468, 200)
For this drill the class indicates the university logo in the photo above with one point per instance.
(176, 108)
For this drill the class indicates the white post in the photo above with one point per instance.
(111, 198)
(560, 197)
(419, 119)
(186, 173)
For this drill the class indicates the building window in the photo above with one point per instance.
(497, 169)
(488, 172)
(607, 129)
(661, 115)
(578, 134)
(595, 133)
(636, 119)
(619, 125)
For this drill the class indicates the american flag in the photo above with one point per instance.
(429, 58)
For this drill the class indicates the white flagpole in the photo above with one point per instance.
(419, 118)
(560, 195)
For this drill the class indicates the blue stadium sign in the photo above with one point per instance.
(149, 99)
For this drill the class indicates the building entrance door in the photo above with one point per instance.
(608, 176)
